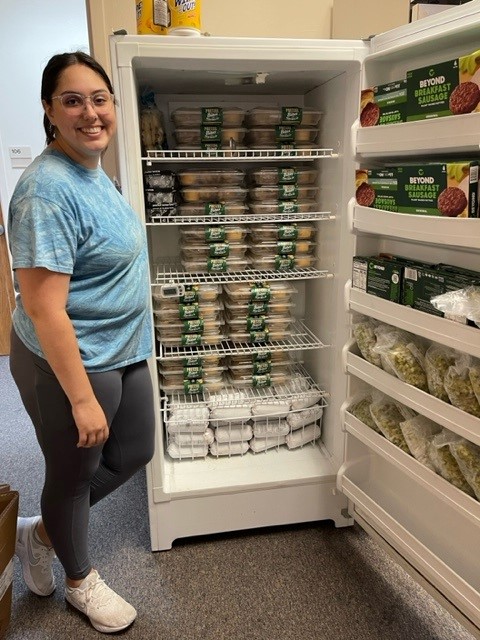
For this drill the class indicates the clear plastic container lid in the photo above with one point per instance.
(210, 134)
(217, 265)
(215, 177)
(276, 357)
(228, 150)
(193, 325)
(191, 340)
(282, 263)
(229, 232)
(282, 206)
(205, 292)
(243, 309)
(196, 116)
(217, 209)
(280, 134)
(266, 176)
(203, 360)
(282, 231)
(192, 387)
(191, 373)
(258, 337)
(283, 192)
(243, 380)
(258, 323)
(214, 194)
(231, 250)
(207, 311)
(259, 291)
(268, 116)
(282, 247)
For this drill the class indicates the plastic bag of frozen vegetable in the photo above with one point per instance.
(467, 456)
(403, 355)
(438, 359)
(474, 375)
(418, 432)
(443, 461)
(360, 408)
(459, 387)
(364, 334)
(387, 417)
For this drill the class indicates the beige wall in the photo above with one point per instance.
(355, 19)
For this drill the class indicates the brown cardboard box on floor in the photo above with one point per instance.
(8, 531)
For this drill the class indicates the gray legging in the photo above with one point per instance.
(77, 478)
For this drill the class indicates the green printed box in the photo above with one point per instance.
(444, 89)
(384, 104)
(448, 189)
(377, 188)
(378, 276)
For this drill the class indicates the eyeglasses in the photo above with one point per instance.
(75, 103)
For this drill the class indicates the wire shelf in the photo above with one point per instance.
(231, 396)
(233, 155)
(301, 338)
(172, 273)
(242, 219)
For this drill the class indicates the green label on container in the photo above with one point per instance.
(212, 115)
(287, 175)
(261, 368)
(261, 380)
(214, 209)
(260, 293)
(191, 339)
(219, 249)
(190, 295)
(288, 206)
(192, 361)
(191, 373)
(188, 311)
(256, 323)
(210, 146)
(217, 264)
(284, 263)
(291, 115)
(215, 234)
(257, 308)
(287, 232)
(210, 134)
(193, 326)
(262, 356)
(289, 191)
(193, 386)
(259, 336)
(286, 248)
(284, 133)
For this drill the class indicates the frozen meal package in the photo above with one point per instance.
(307, 434)
(193, 438)
(234, 433)
(271, 428)
(443, 461)
(438, 359)
(387, 417)
(418, 432)
(474, 375)
(459, 387)
(228, 448)
(298, 419)
(467, 456)
(464, 303)
(402, 355)
(258, 444)
(186, 451)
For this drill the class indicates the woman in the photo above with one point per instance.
(81, 333)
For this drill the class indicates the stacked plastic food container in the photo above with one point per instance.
(161, 194)
(208, 128)
(281, 127)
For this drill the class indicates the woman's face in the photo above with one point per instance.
(82, 134)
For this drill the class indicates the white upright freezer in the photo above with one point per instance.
(351, 473)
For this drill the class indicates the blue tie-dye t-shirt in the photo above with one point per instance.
(72, 220)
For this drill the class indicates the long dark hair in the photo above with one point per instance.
(51, 74)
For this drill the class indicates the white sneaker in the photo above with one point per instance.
(36, 558)
(107, 611)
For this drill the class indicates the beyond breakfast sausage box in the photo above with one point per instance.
(448, 189)
(384, 104)
(377, 188)
(444, 89)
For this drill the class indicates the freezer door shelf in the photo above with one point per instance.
(453, 232)
(434, 328)
(440, 412)
(451, 134)
(418, 523)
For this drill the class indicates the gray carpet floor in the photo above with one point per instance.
(309, 582)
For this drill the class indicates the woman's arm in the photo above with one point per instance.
(44, 296)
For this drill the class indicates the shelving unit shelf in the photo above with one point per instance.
(234, 155)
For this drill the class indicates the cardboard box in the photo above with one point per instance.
(384, 104)
(377, 188)
(448, 189)
(8, 533)
(378, 276)
(422, 10)
(444, 89)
